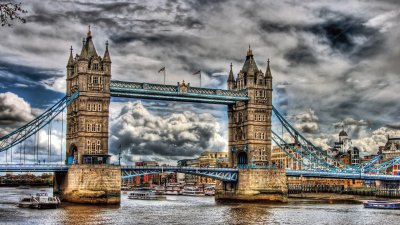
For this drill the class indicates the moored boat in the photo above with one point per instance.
(193, 191)
(145, 195)
(381, 204)
(210, 191)
(39, 201)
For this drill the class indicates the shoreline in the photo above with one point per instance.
(333, 197)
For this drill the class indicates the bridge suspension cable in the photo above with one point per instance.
(21, 134)
(321, 157)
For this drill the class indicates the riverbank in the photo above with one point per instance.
(332, 197)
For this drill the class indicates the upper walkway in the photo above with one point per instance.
(175, 93)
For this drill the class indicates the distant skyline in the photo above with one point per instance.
(333, 64)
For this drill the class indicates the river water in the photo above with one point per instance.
(190, 210)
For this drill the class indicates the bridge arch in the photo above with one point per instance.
(224, 174)
(72, 157)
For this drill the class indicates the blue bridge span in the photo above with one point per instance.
(225, 174)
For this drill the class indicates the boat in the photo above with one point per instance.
(193, 191)
(159, 190)
(210, 191)
(39, 201)
(144, 194)
(381, 204)
(23, 187)
(173, 189)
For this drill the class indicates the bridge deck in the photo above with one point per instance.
(173, 93)
(228, 174)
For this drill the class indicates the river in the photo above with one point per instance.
(190, 210)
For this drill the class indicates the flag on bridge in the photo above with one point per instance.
(162, 69)
(198, 72)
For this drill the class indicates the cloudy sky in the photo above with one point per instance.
(334, 64)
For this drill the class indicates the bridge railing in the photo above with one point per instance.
(166, 168)
(172, 92)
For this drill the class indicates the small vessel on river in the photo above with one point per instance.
(193, 191)
(381, 204)
(39, 201)
(145, 194)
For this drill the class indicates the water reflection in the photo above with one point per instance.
(190, 210)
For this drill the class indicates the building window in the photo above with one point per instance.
(98, 144)
(99, 107)
(95, 80)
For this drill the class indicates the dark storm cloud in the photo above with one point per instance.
(342, 32)
(26, 74)
(301, 55)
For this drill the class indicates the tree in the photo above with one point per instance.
(11, 11)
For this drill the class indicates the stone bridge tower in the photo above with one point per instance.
(250, 122)
(250, 138)
(87, 116)
(90, 177)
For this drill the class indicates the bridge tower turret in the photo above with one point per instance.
(90, 179)
(250, 139)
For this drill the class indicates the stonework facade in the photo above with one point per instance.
(92, 184)
(87, 116)
(250, 122)
(255, 184)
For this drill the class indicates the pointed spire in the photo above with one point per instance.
(268, 72)
(83, 54)
(71, 58)
(91, 50)
(249, 52)
(106, 57)
(231, 78)
(249, 64)
(89, 33)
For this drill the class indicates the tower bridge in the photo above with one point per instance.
(88, 176)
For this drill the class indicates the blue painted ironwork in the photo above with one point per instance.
(320, 157)
(225, 174)
(384, 165)
(341, 175)
(173, 93)
(33, 167)
(370, 162)
(35, 125)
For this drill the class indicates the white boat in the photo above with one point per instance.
(193, 191)
(39, 201)
(173, 189)
(145, 195)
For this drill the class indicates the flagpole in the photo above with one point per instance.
(200, 78)
(164, 74)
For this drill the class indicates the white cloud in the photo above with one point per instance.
(14, 109)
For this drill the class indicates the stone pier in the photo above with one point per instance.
(255, 184)
(90, 184)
